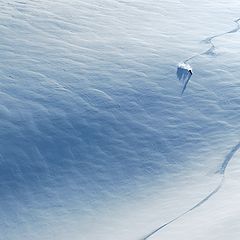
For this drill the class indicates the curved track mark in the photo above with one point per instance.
(209, 41)
(221, 171)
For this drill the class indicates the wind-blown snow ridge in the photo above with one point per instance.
(210, 51)
(221, 171)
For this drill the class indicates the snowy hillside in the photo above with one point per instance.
(97, 142)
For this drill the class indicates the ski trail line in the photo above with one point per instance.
(210, 51)
(209, 40)
(221, 171)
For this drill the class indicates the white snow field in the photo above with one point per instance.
(99, 140)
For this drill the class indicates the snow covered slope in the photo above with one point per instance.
(97, 142)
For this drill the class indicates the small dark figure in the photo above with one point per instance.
(190, 71)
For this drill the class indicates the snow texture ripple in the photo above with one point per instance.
(95, 141)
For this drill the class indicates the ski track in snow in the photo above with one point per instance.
(229, 156)
(221, 171)
(210, 51)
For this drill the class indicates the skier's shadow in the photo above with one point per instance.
(183, 76)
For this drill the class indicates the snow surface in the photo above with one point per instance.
(97, 142)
